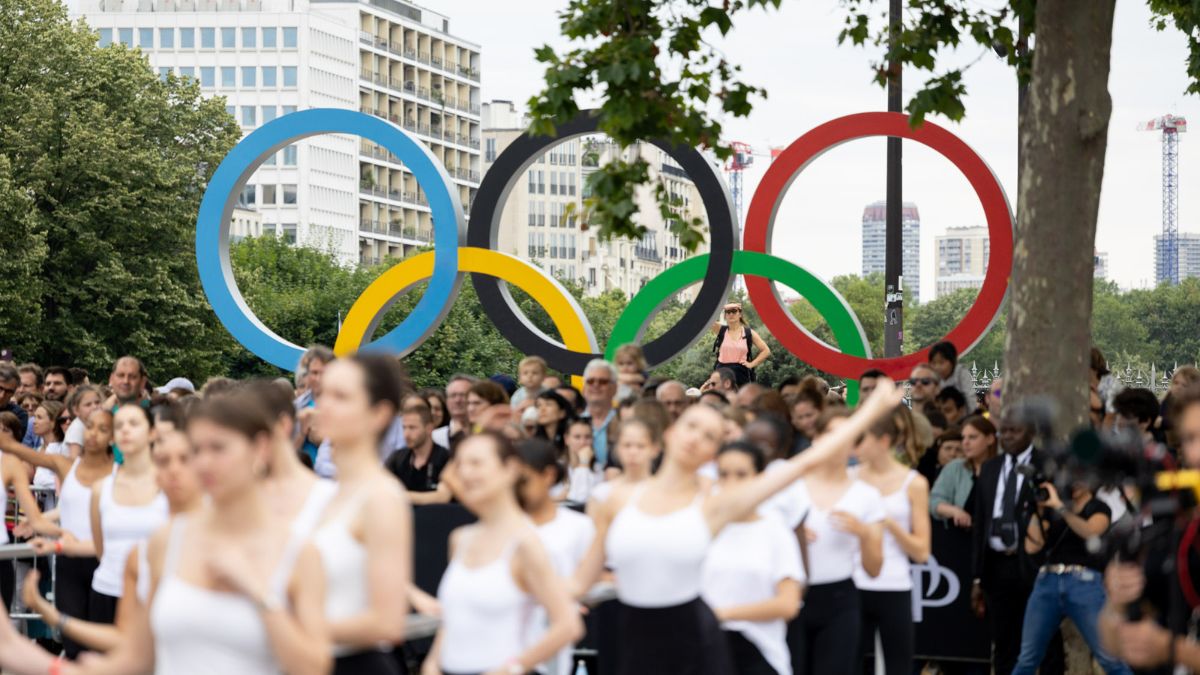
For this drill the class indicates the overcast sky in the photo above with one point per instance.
(793, 53)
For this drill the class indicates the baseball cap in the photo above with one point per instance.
(177, 383)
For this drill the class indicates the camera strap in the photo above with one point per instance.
(1186, 583)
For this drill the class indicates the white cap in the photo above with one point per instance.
(529, 416)
(177, 383)
(693, 393)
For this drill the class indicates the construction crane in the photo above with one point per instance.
(1170, 126)
(742, 157)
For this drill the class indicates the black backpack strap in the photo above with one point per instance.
(749, 342)
(720, 338)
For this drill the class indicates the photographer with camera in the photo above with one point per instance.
(1003, 570)
(1168, 574)
(1069, 582)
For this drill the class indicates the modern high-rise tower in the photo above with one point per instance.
(874, 237)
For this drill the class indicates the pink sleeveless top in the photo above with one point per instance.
(734, 348)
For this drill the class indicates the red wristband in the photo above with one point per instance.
(58, 547)
(56, 666)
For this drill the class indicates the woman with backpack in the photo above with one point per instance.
(733, 345)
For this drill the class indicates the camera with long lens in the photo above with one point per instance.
(1037, 478)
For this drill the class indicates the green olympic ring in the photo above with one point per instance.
(847, 331)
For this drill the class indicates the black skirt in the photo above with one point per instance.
(372, 662)
(681, 640)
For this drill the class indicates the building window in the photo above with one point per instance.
(289, 76)
(592, 276)
(269, 76)
(249, 116)
(249, 74)
(208, 77)
(532, 182)
(164, 73)
(270, 161)
(166, 38)
(532, 245)
(188, 72)
(228, 77)
(290, 38)
(228, 38)
(289, 194)
(231, 110)
(571, 184)
(187, 38)
(248, 38)
(268, 194)
(289, 155)
(289, 233)
(125, 35)
(289, 109)
(146, 38)
(268, 113)
(541, 176)
(490, 150)
(208, 38)
(247, 196)
(268, 38)
(105, 37)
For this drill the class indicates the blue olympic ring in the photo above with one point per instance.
(220, 198)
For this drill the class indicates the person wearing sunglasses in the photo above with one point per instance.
(599, 390)
(733, 345)
(923, 385)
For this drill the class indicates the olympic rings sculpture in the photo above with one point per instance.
(445, 265)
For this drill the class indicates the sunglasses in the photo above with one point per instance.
(733, 311)
(923, 381)
(64, 420)
(595, 381)
(9, 390)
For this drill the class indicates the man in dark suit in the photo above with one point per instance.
(1005, 498)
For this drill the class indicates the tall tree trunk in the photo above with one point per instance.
(1063, 140)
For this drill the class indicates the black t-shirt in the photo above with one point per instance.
(1065, 547)
(423, 479)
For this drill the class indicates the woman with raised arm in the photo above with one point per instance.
(365, 539)
(656, 534)
(75, 560)
(887, 596)
(499, 573)
(127, 507)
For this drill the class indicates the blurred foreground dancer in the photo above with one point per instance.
(365, 540)
(499, 573)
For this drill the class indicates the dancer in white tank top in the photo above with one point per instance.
(126, 508)
(752, 577)
(172, 455)
(887, 596)
(499, 573)
(565, 533)
(75, 562)
(365, 539)
(637, 444)
(239, 592)
(669, 521)
(14, 477)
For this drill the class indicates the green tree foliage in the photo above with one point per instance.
(102, 166)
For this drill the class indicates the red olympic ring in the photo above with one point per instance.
(806, 149)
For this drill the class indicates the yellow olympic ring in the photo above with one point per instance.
(544, 290)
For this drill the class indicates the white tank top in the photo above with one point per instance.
(75, 506)
(485, 616)
(834, 555)
(894, 575)
(319, 496)
(658, 559)
(199, 631)
(122, 528)
(345, 561)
